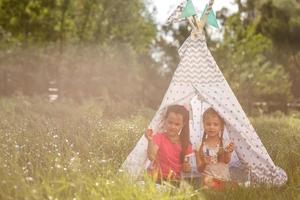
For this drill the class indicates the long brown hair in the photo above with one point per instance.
(185, 132)
(211, 112)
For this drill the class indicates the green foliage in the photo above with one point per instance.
(83, 48)
(68, 22)
(249, 70)
(245, 61)
(65, 150)
(280, 21)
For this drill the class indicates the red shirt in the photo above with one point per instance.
(167, 160)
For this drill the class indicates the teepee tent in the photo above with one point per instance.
(199, 82)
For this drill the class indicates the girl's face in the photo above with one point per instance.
(173, 124)
(212, 125)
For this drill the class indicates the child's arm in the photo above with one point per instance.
(152, 148)
(200, 159)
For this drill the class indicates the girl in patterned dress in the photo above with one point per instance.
(211, 157)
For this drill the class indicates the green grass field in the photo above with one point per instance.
(68, 151)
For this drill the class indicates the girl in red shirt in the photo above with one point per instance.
(169, 150)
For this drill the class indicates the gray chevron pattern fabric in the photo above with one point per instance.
(199, 83)
(175, 15)
(197, 64)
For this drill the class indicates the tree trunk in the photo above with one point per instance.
(3, 88)
(87, 12)
(64, 8)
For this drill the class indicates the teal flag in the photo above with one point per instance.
(211, 20)
(189, 9)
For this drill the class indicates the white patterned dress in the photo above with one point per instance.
(213, 168)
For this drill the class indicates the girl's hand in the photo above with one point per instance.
(149, 134)
(230, 147)
(186, 166)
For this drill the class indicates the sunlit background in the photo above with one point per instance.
(81, 79)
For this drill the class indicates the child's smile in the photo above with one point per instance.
(212, 126)
(174, 124)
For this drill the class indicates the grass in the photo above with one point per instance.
(68, 151)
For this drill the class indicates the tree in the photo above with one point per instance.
(280, 21)
(38, 34)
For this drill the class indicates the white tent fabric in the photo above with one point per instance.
(199, 82)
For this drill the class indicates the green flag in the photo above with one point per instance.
(189, 9)
(211, 20)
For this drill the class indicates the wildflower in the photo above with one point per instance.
(72, 159)
(29, 178)
(58, 166)
(103, 161)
